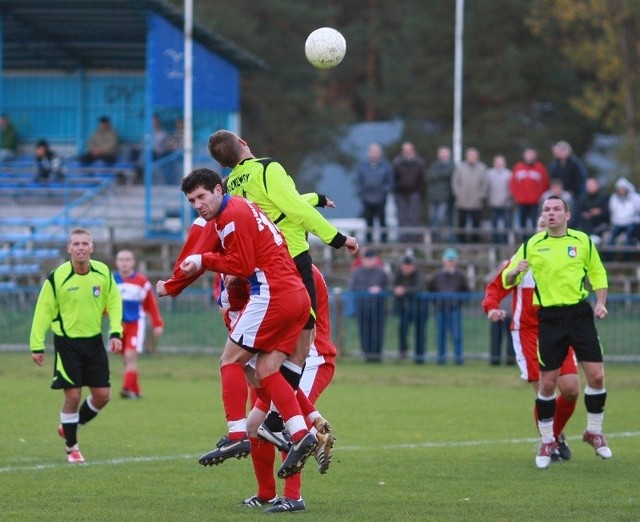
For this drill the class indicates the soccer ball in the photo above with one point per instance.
(325, 48)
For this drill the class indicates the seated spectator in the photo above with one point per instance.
(594, 209)
(175, 141)
(48, 164)
(624, 207)
(556, 188)
(159, 138)
(102, 145)
(8, 139)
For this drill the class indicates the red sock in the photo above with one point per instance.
(135, 383)
(128, 380)
(305, 404)
(235, 392)
(284, 398)
(292, 484)
(263, 455)
(564, 410)
(262, 395)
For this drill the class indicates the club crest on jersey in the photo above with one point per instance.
(96, 291)
(572, 251)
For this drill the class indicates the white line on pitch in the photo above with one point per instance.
(426, 445)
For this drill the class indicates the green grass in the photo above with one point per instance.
(414, 443)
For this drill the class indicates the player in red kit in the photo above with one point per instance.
(251, 247)
(138, 302)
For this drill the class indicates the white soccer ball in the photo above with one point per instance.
(325, 48)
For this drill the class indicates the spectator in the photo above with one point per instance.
(411, 307)
(499, 198)
(556, 188)
(159, 138)
(102, 145)
(374, 180)
(8, 139)
(369, 282)
(409, 186)
(624, 207)
(568, 168)
(470, 184)
(439, 194)
(594, 209)
(529, 180)
(175, 140)
(48, 164)
(449, 281)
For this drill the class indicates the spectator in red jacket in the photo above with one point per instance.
(529, 179)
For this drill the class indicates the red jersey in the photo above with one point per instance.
(528, 182)
(200, 239)
(525, 313)
(322, 341)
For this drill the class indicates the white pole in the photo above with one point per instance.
(188, 99)
(457, 83)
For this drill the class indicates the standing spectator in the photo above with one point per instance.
(499, 198)
(624, 207)
(411, 307)
(102, 145)
(409, 186)
(48, 164)
(369, 283)
(470, 184)
(439, 182)
(159, 138)
(8, 139)
(529, 180)
(138, 301)
(594, 209)
(374, 181)
(449, 281)
(72, 303)
(568, 168)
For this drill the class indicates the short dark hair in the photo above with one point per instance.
(201, 177)
(566, 206)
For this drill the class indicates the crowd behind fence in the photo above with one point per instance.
(193, 324)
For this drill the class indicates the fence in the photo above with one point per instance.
(193, 324)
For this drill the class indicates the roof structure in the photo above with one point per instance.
(95, 34)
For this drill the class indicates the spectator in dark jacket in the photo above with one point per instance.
(369, 283)
(411, 307)
(594, 209)
(439, 193)
(449, 281)
(374, 181)
(48, 164)
(568, 168)
(409, 187)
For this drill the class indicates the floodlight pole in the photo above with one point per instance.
(457, 83)
(187, 164)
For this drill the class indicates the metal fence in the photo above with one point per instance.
(193, 324)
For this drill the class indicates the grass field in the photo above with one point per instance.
(414, 443)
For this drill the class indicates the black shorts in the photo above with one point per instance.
(80, 362)
(564, 326)
(303, 263)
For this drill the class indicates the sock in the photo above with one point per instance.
(546, 407)
(263, 455)
(292, 484)
(283, 396)
(564, 410)
(127, 380)
(594, 401)
(135, 383)
(234, 397)
(69, 423)
(87, 411)
(305, 404)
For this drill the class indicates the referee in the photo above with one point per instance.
(561, 259)
(72, 303)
